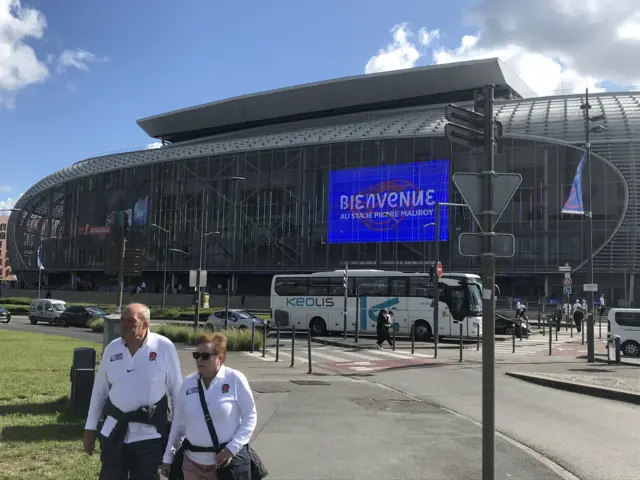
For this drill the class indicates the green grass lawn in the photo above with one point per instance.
(40, 437)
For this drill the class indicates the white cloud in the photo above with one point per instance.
(6, 205)
(5, 188)
(401, 53)
(153, 145)
(428, 36)
(77, 58)
(19, 65)
(555, 46)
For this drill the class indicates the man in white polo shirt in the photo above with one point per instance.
(136, 373)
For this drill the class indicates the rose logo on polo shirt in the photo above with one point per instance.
(225, 388)
(152, 356)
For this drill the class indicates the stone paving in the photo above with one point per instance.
(617, 383)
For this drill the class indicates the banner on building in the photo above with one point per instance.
(574, 203)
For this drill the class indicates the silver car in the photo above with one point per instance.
(237, 319)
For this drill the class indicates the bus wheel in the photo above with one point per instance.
(630, 349)
(318, 327)
(423, 331)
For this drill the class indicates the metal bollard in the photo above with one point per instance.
(413, 338)
(253, 336)
(477, 337)
(571, 325)
(600, 328)
(293, 345)
(556, 335)
(521, 331)
(394, 336)
(513, 339)
(309, 350)
(277, 342)
(461, 345)
(544, 327)
(618, 360)
(550, 339)
(264, 340)
(538, 319)
(356, 336)
(582, 329)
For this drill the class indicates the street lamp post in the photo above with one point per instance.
(39, 263)
(424, 248)
(206, 235)
(164, 274)
(589, 212)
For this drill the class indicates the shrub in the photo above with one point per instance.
(15, 301)
(97, 325)
(16, 309)
(237, 340)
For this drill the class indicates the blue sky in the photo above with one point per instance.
(102, 65)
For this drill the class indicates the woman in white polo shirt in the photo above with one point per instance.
(232, 410)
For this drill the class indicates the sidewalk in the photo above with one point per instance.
(341, 428)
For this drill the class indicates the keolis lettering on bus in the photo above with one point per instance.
(310, 302)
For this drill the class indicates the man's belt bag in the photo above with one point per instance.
(258, 470)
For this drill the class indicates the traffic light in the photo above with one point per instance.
(125, 223)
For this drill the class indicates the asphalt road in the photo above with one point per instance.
(595, 439)
(22, 324)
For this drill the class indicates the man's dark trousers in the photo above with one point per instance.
(139, 461)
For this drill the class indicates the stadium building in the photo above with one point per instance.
(307, 178)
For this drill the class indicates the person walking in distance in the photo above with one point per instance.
(226, 396)
(137, 373)
(602, 306)
(383, 325)
(578, 314)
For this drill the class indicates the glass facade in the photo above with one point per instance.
(266, 211)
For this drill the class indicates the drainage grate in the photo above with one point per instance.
(400, 406)
(310, 382)
(269, 387)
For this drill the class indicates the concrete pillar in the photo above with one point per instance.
(545, 212)
(547, 290)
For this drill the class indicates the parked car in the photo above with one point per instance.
(48, 310)
(237, 319)
(81, 316)
(5, 314)
(506, 326)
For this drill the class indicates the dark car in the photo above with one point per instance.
(5, 315)
(81, 316)
(506, 326)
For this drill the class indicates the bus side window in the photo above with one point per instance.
(336, 288)
(292, 286)
(319, 286)
(398, 286)
(373, 286)
(420, 287)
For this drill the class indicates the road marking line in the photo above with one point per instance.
(358, 355)
(328, 357)
(392, 354)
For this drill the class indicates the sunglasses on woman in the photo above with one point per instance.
(204, 355)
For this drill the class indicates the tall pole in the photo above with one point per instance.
(436, 281)
(199, 301)
(396, 250)
(123, 250)
(39, 269)
(488, 286)
(346, 297)
(590, 326)
(164, 273)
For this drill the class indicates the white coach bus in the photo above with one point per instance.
(316, 301)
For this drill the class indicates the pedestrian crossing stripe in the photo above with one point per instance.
(340, 356)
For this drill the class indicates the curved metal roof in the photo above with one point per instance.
(559, 118)
(415, 86)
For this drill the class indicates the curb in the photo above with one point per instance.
(576, 387)
(604, 360)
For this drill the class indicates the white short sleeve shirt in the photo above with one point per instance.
(134, 381)
(232, 409)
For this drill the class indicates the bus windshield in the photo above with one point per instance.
(475, 299)
(464, 300)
